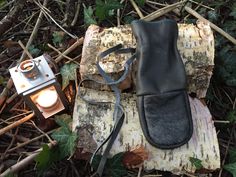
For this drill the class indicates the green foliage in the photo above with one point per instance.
(232, 117)
(196, 162)
(105, 8)
(88, 15)
(231, 167)
(11, 175)
(58, 38)
(3, 81)
(114, 165)
(128, 19)
(2, 3)
(232, 155)
(225, 68)
(140, 2)
(233, 11)
(64, 136)
(43, 158)
(68, 72)
(212, 16)
(33, 50)
(66, 142)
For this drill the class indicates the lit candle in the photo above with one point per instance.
(47, 98)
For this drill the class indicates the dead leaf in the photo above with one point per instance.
(134, 158)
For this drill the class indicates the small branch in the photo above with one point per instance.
(76, 13)
(15, 124)
(48, 15)
(25, 49)
(9, 100)
(137, 9)
(10, 18)
(45, 134)
(70, 49)
(4, 93)
(213, 26)
(163, 11)
(23, 163)
(30, 141)
(65, 56)
(35, 30)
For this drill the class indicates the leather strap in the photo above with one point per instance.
(118, 114)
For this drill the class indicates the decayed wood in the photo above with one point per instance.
(95, 122)
(195, 44)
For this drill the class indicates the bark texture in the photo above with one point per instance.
(94, 123)
(195, 44)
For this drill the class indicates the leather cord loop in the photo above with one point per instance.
(118, 114)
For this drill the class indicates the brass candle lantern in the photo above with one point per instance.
(36, 83)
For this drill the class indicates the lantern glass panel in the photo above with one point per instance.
(47, 101)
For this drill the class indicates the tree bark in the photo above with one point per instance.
(195, 44)
(94, 123)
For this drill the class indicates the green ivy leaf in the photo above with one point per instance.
(140, 2)
(43, 159)
(34, 50)
(232, 155)
(212, 15)
(233, 12)
(196, 162)
(104, 8)
(114, 165)
(88, 15)
(58, 38)
(2, 3)
(68, 72)
(231, 168)
(65, 138)
(231, 117)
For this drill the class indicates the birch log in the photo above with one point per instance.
(195, 44)
(94, 124)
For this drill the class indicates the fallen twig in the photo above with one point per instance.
(4, 93)
(23, 163)
(137, 9)
(41, 131)
(25, 49)
(48, 15)
(76, 13)
(35, 30)
(30, 141)
(163, 11)
(71, 48)
(213, 26)
(15, 124)
(65, 56)
(8, 20)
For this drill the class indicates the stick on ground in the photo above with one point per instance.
(15, 124)
(213, 26)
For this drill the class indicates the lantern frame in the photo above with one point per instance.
(30, 82)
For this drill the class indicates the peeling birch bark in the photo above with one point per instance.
(195, 44)
(95, 123)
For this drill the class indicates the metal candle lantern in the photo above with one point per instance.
(36, 83)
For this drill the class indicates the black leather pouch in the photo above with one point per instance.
(162, 102)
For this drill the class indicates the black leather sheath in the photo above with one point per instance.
(162, 102)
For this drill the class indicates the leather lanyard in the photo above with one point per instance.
(118, 114)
